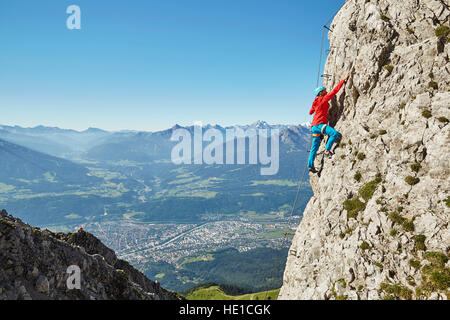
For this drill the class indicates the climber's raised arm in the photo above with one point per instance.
(330, 95)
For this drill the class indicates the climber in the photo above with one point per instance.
(319, 124)
(80, 229)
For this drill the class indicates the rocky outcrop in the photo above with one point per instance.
(377, 226)
(34, 265)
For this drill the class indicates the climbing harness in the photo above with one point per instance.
(315, 135)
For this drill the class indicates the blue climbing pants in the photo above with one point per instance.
(333, 135)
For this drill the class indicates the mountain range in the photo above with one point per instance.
(75, 145)
(50, 170)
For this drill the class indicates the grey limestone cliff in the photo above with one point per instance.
(377, 226)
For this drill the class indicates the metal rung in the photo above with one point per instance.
(328, 28)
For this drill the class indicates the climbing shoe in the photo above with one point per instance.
(313, 170)
(328, 154)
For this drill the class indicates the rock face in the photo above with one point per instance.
(378, 224)
(34, 265)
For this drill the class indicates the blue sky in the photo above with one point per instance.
(146, 65)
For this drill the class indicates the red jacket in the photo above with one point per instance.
(320, 106)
